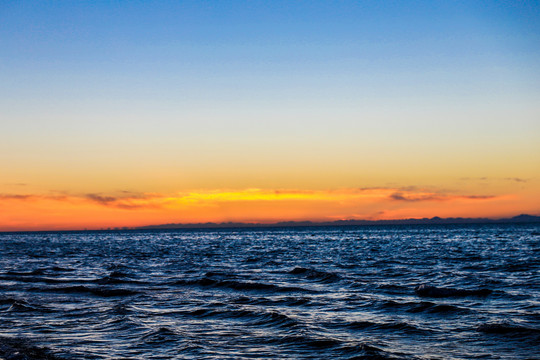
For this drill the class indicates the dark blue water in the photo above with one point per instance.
(416, 292)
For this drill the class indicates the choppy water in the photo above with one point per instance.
(345, 293)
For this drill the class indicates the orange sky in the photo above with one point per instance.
(131, 113)
(95, 211)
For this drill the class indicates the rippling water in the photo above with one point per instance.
(437, 292)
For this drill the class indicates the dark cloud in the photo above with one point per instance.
(399, 196)
(123, 202)
(133, 195)
(104, 200)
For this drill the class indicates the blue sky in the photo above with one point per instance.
(275, 91)
(201, 45)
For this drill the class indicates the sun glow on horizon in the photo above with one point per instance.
(135, 113)
(97, 211)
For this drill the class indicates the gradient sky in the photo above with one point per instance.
(117, 113)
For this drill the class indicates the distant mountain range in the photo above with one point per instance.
(425, 221)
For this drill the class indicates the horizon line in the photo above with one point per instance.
(435, 220)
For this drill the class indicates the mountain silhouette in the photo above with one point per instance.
(523, 218)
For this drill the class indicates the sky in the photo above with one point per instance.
(130, 113)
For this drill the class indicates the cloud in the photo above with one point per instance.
(134, 201)
(118, 208)
(485, 178)
(516, 179)
(104, 200)
(477, 197)
(127, 202)
(415, 197)
(15, 184)
(400, 196)
(32, 197)
(16, 197)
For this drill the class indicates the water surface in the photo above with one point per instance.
(305, 293)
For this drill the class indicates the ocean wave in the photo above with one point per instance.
(430, 307)
(240, 285)
(253, 317)
(396, 326)
(442, 292)
(39, 271)
(273, 318)
(120, 309)
(370, 352)
(314, 274)
(323, 297)
(286, 301)
(8, 300)
(46, 280)
(22, 306)
(506, 329)
(30, 277)
(23, 349)
(307, 341)
(160, 335)
(333, 347)
(424, 306)
(119, 277)
(98, 291)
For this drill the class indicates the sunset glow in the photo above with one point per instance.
(96, 211)
(266, 112)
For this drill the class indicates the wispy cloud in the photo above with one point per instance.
(516, 179)
(16, 184)
(485, 178)
(400, 196)
(16, 196)
(416, 197)
(103, 200)
(125, 208)
(127, 200)
(33, 197)
(478, 197)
